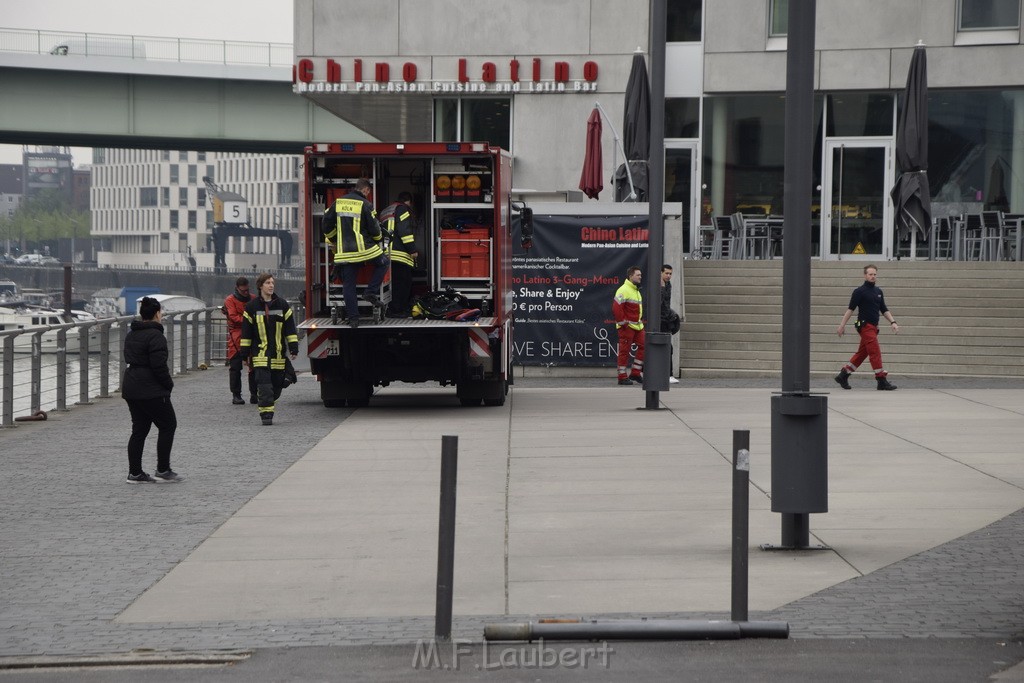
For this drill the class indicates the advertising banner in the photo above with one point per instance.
(564, 284)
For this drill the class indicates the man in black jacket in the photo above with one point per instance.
(670, 321)
(147, 388)
(869, 302)
(268, 333)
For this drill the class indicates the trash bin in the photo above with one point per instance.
(657, 361)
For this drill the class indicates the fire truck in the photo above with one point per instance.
(463, 217)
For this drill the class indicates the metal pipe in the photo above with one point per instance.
(104, 360)
(796, 245)
(36, 382)
(8, 388)
(740, 522)
(656, 178)
(183, 343)
(62, 369)
(446, 538)
(83, 365)
(637, 629)
(67, 288)
(195, 339)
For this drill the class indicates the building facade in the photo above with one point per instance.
(150, 207)
(526, 74)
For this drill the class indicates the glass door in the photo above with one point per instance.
(680, 183)
(856, 210)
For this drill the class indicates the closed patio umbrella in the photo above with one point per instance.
(636, 132)
(591, 181)
(911, 196)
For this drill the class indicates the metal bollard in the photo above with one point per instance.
(62, 369)
(8, 388)
(183, 342)
(740, 522)
(104, 360)
(446, 538)
(195, 339)
(83, 365)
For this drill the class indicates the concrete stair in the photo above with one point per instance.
(956, 318)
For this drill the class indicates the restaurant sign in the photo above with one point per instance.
(517, 76)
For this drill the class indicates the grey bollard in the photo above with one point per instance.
(657, 361)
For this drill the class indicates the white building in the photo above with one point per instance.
(150, 209)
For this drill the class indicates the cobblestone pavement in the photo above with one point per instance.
(78, 546)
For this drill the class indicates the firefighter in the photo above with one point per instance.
(234, 307)
(628, 309)
(268, 333)
(352, 223)
(869, 303)
(403, 253)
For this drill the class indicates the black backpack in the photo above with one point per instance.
(441, 304)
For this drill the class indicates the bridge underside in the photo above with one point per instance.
(97, 109)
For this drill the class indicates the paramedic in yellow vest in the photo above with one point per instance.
(628, 309)
(351, 224)
(403, 253)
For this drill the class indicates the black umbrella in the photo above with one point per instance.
(911, 196)
(636, 133)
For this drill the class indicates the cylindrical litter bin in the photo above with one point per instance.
(657, 361)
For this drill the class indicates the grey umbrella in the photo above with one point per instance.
(636, 132)
(911, 196)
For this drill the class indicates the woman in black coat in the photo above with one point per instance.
(147, 387)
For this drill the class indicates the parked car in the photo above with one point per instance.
(28, 259)
(48, 261)
(7, 259)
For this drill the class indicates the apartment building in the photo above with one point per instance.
(150, 207)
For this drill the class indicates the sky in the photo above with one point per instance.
(268, 21)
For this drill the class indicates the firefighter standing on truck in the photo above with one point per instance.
(352, 224)
(403, 253)
(268, 333)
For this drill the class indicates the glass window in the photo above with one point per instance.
(683, 21)
(855, 114)
(487, 120)
(682, 117)
(201, 196)
(165, 155)
(446, 120)
(165, 196)
(99, 155)
(182, 196)
(191, 220)
(474, 120)
(174, 174)
(209, 171)
(182, 156)
(988, 14)
(778, 21)
(287, 193)
(147, 196)
(174, 220)
(200, 156)
(191, 174)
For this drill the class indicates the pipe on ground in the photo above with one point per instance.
(637, 629)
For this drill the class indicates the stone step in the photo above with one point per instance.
(958, 319)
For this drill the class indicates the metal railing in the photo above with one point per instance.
(194, 340)
(155, 48)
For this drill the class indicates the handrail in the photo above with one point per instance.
(95, 362)
(154, 48)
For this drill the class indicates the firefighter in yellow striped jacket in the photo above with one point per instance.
(628, 309)
(403, 253)
(351, 224)
(268, 333)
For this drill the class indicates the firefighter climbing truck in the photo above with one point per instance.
(463, 215)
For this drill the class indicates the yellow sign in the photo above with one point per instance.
(859, 249)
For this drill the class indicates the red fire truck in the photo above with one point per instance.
(463, 224)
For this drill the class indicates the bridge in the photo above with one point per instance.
(101, 90)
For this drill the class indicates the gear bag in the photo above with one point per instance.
(446, 304)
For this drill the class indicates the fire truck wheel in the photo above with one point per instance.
(494, 401)
(334, 403)
(358, 402)
(469, 401)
